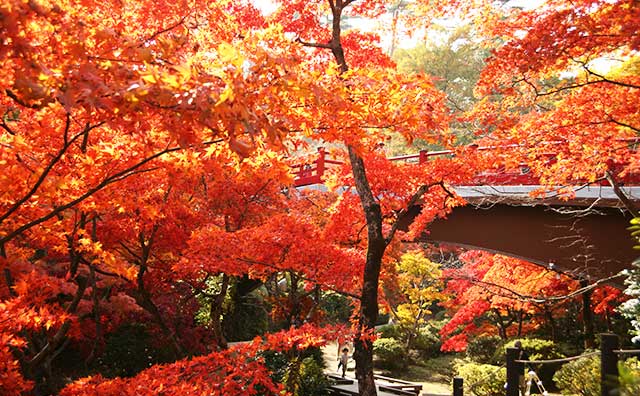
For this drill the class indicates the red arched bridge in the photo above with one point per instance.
(585, 236)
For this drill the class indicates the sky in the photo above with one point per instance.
(268, 6)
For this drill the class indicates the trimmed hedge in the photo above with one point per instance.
(390, 354)
(582, 377)
(482, 379)
(483, 349)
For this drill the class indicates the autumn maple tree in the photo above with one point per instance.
(128, 95)
(499, 295)
(411, 290)
(566, 82)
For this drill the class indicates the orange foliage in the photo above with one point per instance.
(568, 83)
(238, 370)
(145, 144)
(506, 286)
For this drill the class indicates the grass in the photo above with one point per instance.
(439, 369)
(435, 375)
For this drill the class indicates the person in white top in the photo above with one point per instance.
(343, 359)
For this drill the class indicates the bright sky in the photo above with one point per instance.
(526, 4)
(268, 6)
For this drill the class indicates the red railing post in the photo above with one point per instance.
(424, 155)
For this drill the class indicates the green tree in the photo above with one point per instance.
(455, 58)
(417, 286)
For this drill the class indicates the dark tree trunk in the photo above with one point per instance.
(376, 245)
(143, 297)
(587, 317)
(293, 318)
(548, 314)
(520, 320)
(215, 313)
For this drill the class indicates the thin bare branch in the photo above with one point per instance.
(314, 45)
(275, 267)
(47, 169)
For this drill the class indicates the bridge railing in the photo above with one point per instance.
(312, 172)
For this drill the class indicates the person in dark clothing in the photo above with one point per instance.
(523, 368)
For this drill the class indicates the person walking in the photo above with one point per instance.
(343, 359)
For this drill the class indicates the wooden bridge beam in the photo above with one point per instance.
(594, 245)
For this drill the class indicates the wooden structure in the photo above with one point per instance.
(386, 386)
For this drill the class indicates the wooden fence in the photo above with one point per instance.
(609, 353)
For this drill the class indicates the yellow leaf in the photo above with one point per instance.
(184, 70)
(149, 78)
(171, 80)
(211, 150)
(227, 94)
(228, 54)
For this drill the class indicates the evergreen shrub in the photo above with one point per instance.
(629, 377)
(582, 377)
(579, 377)
(483, 349)
(390, 331)
(482, 379)
(427, 341)
(390, 353)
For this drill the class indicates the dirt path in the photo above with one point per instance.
(332, 351)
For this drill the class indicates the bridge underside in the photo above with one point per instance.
(595, 244)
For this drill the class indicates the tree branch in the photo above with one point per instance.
(509, 293)
(606, 80)
(314, 45)
(107, 181)
(405, 211)
(308, 279)
(623, 124)
(6, 128)
(21, 102)
(52, 344)
(628, 204)
(47, 169)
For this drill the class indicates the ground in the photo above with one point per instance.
(430, 376)
(432, 384)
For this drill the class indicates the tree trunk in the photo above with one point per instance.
(376, 245)
(587, 317)
(551, 322)
(144, 300)
(215, 313)
(520, 320)
(293, 317)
